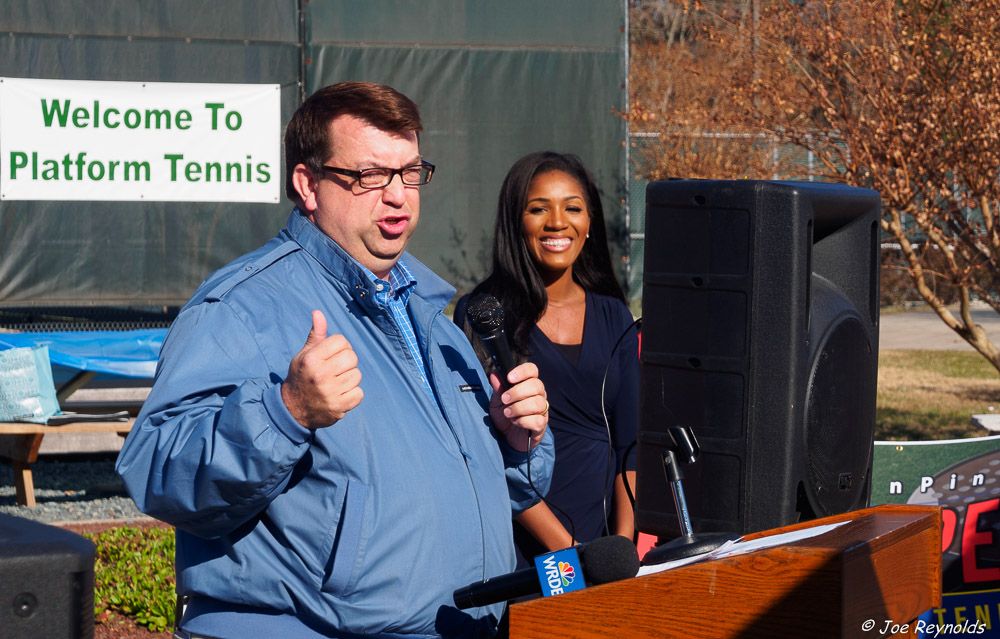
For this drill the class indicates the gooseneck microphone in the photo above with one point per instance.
(485, 316)
(603, 560)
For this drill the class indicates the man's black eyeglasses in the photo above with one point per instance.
(378, 178)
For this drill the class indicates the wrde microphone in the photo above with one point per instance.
(485, 316)
(602, 561)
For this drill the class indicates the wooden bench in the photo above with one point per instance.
(20, 441)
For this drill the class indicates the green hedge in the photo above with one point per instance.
(134, 576)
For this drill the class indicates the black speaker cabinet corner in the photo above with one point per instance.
(760, 313)
(46, 581)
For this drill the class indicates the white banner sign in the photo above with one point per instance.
(143, 141)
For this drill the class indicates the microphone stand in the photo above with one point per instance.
(689, 543)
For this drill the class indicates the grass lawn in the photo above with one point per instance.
(930, 395)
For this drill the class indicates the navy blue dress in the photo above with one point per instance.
(583, 478)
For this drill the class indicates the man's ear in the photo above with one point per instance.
(306, 185)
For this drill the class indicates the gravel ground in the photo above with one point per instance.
(72, 488)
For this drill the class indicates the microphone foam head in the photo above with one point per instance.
(484, 313)
(608, 559)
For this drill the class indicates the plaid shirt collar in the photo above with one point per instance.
(400, 284)
(394, 296)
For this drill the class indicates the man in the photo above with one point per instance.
(320, 435)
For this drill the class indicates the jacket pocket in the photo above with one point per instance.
(346, 555)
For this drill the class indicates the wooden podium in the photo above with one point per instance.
(883, 564)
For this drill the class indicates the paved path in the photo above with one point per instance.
(923, 329)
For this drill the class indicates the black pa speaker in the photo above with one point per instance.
(46, 582)
(760, 313)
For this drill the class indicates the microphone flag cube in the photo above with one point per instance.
(559, 572)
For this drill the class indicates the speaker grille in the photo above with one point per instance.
(840, 408)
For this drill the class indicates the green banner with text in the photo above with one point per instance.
(963, 478)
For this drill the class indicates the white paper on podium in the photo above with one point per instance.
(740, 547)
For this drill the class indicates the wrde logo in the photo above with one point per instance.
(557, 572)
(566, 573)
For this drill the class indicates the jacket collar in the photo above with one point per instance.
(345, 269)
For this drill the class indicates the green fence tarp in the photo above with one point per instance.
(494, 81)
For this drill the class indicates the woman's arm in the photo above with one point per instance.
(544, 526)
(622, 506)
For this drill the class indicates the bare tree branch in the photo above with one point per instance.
(902, 96)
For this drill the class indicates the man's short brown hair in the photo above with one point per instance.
(307, 136)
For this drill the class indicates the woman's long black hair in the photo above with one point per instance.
(515, 280)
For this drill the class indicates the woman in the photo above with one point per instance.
(564, 309)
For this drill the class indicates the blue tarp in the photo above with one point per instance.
(126, 353)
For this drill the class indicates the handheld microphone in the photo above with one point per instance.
(485, 316)
(603, 560)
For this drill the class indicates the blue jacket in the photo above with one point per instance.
(364, 527)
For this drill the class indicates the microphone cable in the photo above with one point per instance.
(637, 324)
(628, 489)
(527, 470)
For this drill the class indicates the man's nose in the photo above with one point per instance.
(395, 191)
